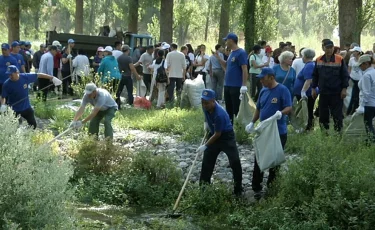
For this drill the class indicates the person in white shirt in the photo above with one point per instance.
(355, 75)
(117, 49)
(145, 60)
(156, 64)
(268, 57)
(176, 68)
(200, 63)
(262, 53)
(298, 63)
(81, 66)
(256, 65)
(368, 91)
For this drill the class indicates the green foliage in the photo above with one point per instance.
(34, 188)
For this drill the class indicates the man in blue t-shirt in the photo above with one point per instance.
(16, 54)
(274, 99)
(221, 139)
(236, 75)
(5, 60)
(15, 92)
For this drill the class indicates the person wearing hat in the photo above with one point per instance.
(15, 92)
(104, 108)
(98, 58)
(108, 69)
(267, 58)
(46, 66)
(355, 76)
(16, 54)
(221, 139)
(256, 65)
(236, 75)
(331, 76)
(5, 60)
(368, 92)
(274, 99)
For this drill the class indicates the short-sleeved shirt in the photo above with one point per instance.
(123, 64)
(233, 74)
(5, 61)
(65, 67)
(304, 74)
(146, 60)
(20, 60)
(355, 73)
(215, 62)
(218, 121)
(258, 61)
(103, 100)
(273, 100)
(280, 75)
(200, 59)
(17, 92)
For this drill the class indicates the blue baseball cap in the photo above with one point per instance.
(5, 46)
(266, 71)
(11, 69)
(15, 43)
(208, 94)
(70, 41)
(231, 36)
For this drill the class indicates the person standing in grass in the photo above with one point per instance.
(284, 73)
(221, 139)
(156, 64)
(355, 76)
(15, 92)
(274, 99)
(105, 108)
(108, 69)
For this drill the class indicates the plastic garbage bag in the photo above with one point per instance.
(192, 91)
(267, 144)
(141, 88)
(142, 103)
(246, 110)
(356, 127)
(299, 117)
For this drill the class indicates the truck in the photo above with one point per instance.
(89, 44)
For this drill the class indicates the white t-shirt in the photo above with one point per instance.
(155, 67)
(191, 56)
(355, 73)
(272, 61)
(298, 65)
(262, 53)
(176, 63)
(258, 61)
(116, 53)
(199, 60)
(82, 65)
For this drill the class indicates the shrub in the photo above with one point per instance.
(34, 188)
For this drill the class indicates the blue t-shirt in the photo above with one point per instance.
(218, 121)
(17, 92)
(280, 75)
(273, 100)
(5, 61)
(20, 60)
(305, 74)
(233, 74)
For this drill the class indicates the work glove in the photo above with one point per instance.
(56, 81)
(303, 94)
(201, 149)
(250, 128)
(206, 127)
(278, 115)
(360, 110)
(3, 108)
(243, 89)
(69, 56)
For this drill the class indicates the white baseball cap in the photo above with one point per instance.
(108, 49)
(165, 46)
(56, 43)
(90, 87)
(356, 48)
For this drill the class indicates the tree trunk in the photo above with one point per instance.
(79, 17)
(91, 17)
(304, 12)
(13, 20)
(249, 21)
(206, 27)
(181, 34)
(166, 21)
(224, 21)
(185, 32)
(133, 16)
(107, 13)
(36, 23)
(349, 28)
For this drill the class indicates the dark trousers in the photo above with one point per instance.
(331, 104)
(44, 86)
(257, 180)
(174, 82)
(256, 86)
(368, 117)
(354, 101)
(55, 73)
(147, 81)
(28, 114)
(310, 108)
(227, 144)
(128, 82)
(66, 85)
(232, 101)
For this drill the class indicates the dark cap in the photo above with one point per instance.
(328, 44)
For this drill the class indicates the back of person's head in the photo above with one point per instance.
(257, 48)
(262, 43)
(288, 43)
(118, 43)
(300, 51)
(174, 46)
(190, 48)
(160, 55)
(217, 47)
(183, 48)
(53, 48)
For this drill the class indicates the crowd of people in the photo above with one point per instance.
(275, 78)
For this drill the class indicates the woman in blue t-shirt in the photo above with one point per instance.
(302, 85)
(284, 73)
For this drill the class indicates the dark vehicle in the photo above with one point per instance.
(89, 44)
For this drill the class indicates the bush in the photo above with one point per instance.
(34, 188)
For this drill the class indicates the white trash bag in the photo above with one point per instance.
(269, 152)
(141, 88)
